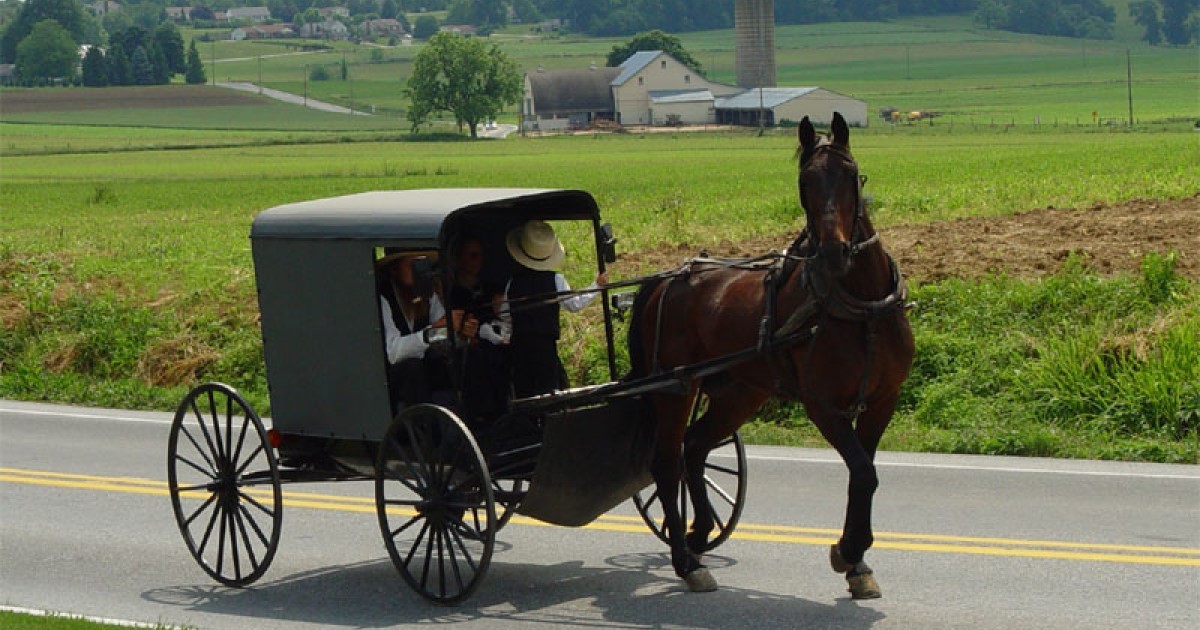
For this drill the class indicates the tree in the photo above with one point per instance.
(195, 67)
(1145, 15)
(463, 76)
(66, 13)
(47, 53)
(170, 45)
(425, 27)
(141, 67)
(1175, 26)
(119, 70)
(991, 14)
(95, 72)
(653, 40)
(389, 9)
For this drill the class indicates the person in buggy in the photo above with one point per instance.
(416, 372)
(484, 355)
(532, 302)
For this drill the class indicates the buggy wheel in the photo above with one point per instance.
(725, 476)
(217, 451)
(436, 509)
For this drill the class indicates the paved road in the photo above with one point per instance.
(288, 97)
(962, 542)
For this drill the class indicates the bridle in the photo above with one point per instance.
(860, 211)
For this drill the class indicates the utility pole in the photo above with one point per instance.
(1129, 84)
(212, 56)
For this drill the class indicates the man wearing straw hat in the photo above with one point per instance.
(532, 300)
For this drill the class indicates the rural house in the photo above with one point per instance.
(567, 99)
(253, 15)
(384, 27)
(262, 31)
(677, 91)
(329, 29)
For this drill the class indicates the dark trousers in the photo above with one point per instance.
(414, 381)
(485, 384)
(536, 368)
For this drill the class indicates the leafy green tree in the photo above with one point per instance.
(991, 14)
(653, 40)
(95, 72)
(389, 9)
(66, 12)
(170, 45)
(463, 76)
(141, 67)
(1176, 28)
(425, 27)
(195, 67)
(1145, 15)
(47, 53)
(119, 70)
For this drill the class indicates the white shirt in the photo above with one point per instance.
(575, 303)
(412, 346)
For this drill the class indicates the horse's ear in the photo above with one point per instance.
(807, 134)
(841, 131)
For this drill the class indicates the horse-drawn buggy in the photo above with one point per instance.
(709, 342)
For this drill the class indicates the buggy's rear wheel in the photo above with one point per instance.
(725, 477)
(435, 504)
(218, 451)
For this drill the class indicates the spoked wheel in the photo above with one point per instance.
(725, 476)
(217, 454)
(434, 498)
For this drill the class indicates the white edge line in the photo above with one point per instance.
(125, 623)
(804, 460)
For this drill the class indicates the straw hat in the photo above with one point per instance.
(392, 254)
(535, 246)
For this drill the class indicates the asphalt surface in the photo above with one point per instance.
(961, 542)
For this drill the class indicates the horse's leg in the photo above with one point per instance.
(728, 408)
(667, 470)
(857, 445)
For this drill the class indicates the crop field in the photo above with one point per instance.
(1054, 264)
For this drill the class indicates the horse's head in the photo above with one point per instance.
(829, 193)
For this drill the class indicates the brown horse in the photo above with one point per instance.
(837, 283)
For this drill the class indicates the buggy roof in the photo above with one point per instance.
(414, 214)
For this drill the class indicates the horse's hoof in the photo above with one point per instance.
(701, 581)
(835, 560)
(864, 586)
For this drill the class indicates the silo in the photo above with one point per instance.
(755, 39)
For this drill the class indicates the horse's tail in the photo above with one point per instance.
(637, 346)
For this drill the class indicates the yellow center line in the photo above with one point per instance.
(928, 543)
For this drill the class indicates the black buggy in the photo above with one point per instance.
(444, 487)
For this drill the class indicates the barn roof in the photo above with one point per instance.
(573, 90)
(771, 97)
(634, 64)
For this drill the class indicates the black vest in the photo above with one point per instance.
(541, 320)
(389, 294)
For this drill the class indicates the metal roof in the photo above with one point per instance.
(412, 214)
(771, 97)
(634, 64)
(681, 96)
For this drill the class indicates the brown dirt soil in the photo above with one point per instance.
(160, 96)
(1110, 238)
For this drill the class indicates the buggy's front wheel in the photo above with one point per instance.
(224, 484)
(435, 504)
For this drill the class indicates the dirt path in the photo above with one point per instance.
(1112, 238)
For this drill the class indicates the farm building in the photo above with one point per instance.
(254, 15)
(262, 31)
(792, 104)
(567, 99)
(654, 88)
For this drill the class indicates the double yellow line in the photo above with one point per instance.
(929, 543)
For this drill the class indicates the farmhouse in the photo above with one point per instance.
(386, 27)
(329, 29)
(654, 88)
(262, 31)
(254, 15)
